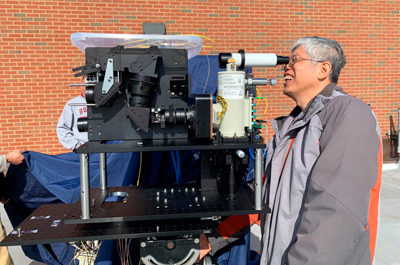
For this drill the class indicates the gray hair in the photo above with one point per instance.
(323, 49)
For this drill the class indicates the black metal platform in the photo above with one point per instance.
(159, 145)
(178, 202)
(147, 212)
(45, 226)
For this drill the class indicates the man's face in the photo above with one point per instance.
(301, 77)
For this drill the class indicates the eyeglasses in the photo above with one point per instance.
(294, 59)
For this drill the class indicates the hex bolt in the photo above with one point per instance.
(196, 241)
(143, 244)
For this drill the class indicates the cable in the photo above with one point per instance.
(208, 61)
(258, 101)
(90, 257)
(148, 44)
(264, 153)
(266, 103)
(266, 106)
(208, 74)
(204, 37)
(176, 164)
(220, 100)
(140, 169)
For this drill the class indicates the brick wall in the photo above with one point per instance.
(36, 55)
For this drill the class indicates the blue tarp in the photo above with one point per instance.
(45, 179)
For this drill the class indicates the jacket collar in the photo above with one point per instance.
(326, 92)
(314, 106)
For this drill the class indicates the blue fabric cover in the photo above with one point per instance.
(45, 179)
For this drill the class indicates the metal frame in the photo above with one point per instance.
(85, 184)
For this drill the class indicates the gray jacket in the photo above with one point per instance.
(67, 129)
(325, 198)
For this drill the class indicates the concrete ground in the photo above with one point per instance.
(388, 249)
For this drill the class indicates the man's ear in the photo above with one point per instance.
(325, 69)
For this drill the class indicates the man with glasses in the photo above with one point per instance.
(323, 167)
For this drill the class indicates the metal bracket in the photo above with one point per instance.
(141, 116)
(109, 76)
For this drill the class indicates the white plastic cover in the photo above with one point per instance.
(193, 44)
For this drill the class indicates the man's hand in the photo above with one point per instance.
(15, 157)
(4, 201)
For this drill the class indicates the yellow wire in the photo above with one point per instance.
(259, 96)
(204, 37)
(220, 100)
(149, 44)
(266, 104)
(90, 257)
(140, 169)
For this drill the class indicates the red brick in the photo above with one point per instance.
(37, 98)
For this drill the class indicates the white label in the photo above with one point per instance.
(55, 223)
(40, 217)
(25, 232)
(231, 86)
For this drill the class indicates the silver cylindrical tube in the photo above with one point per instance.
(258, 179)
(260, 81)
(103, 171)
(85, 185)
